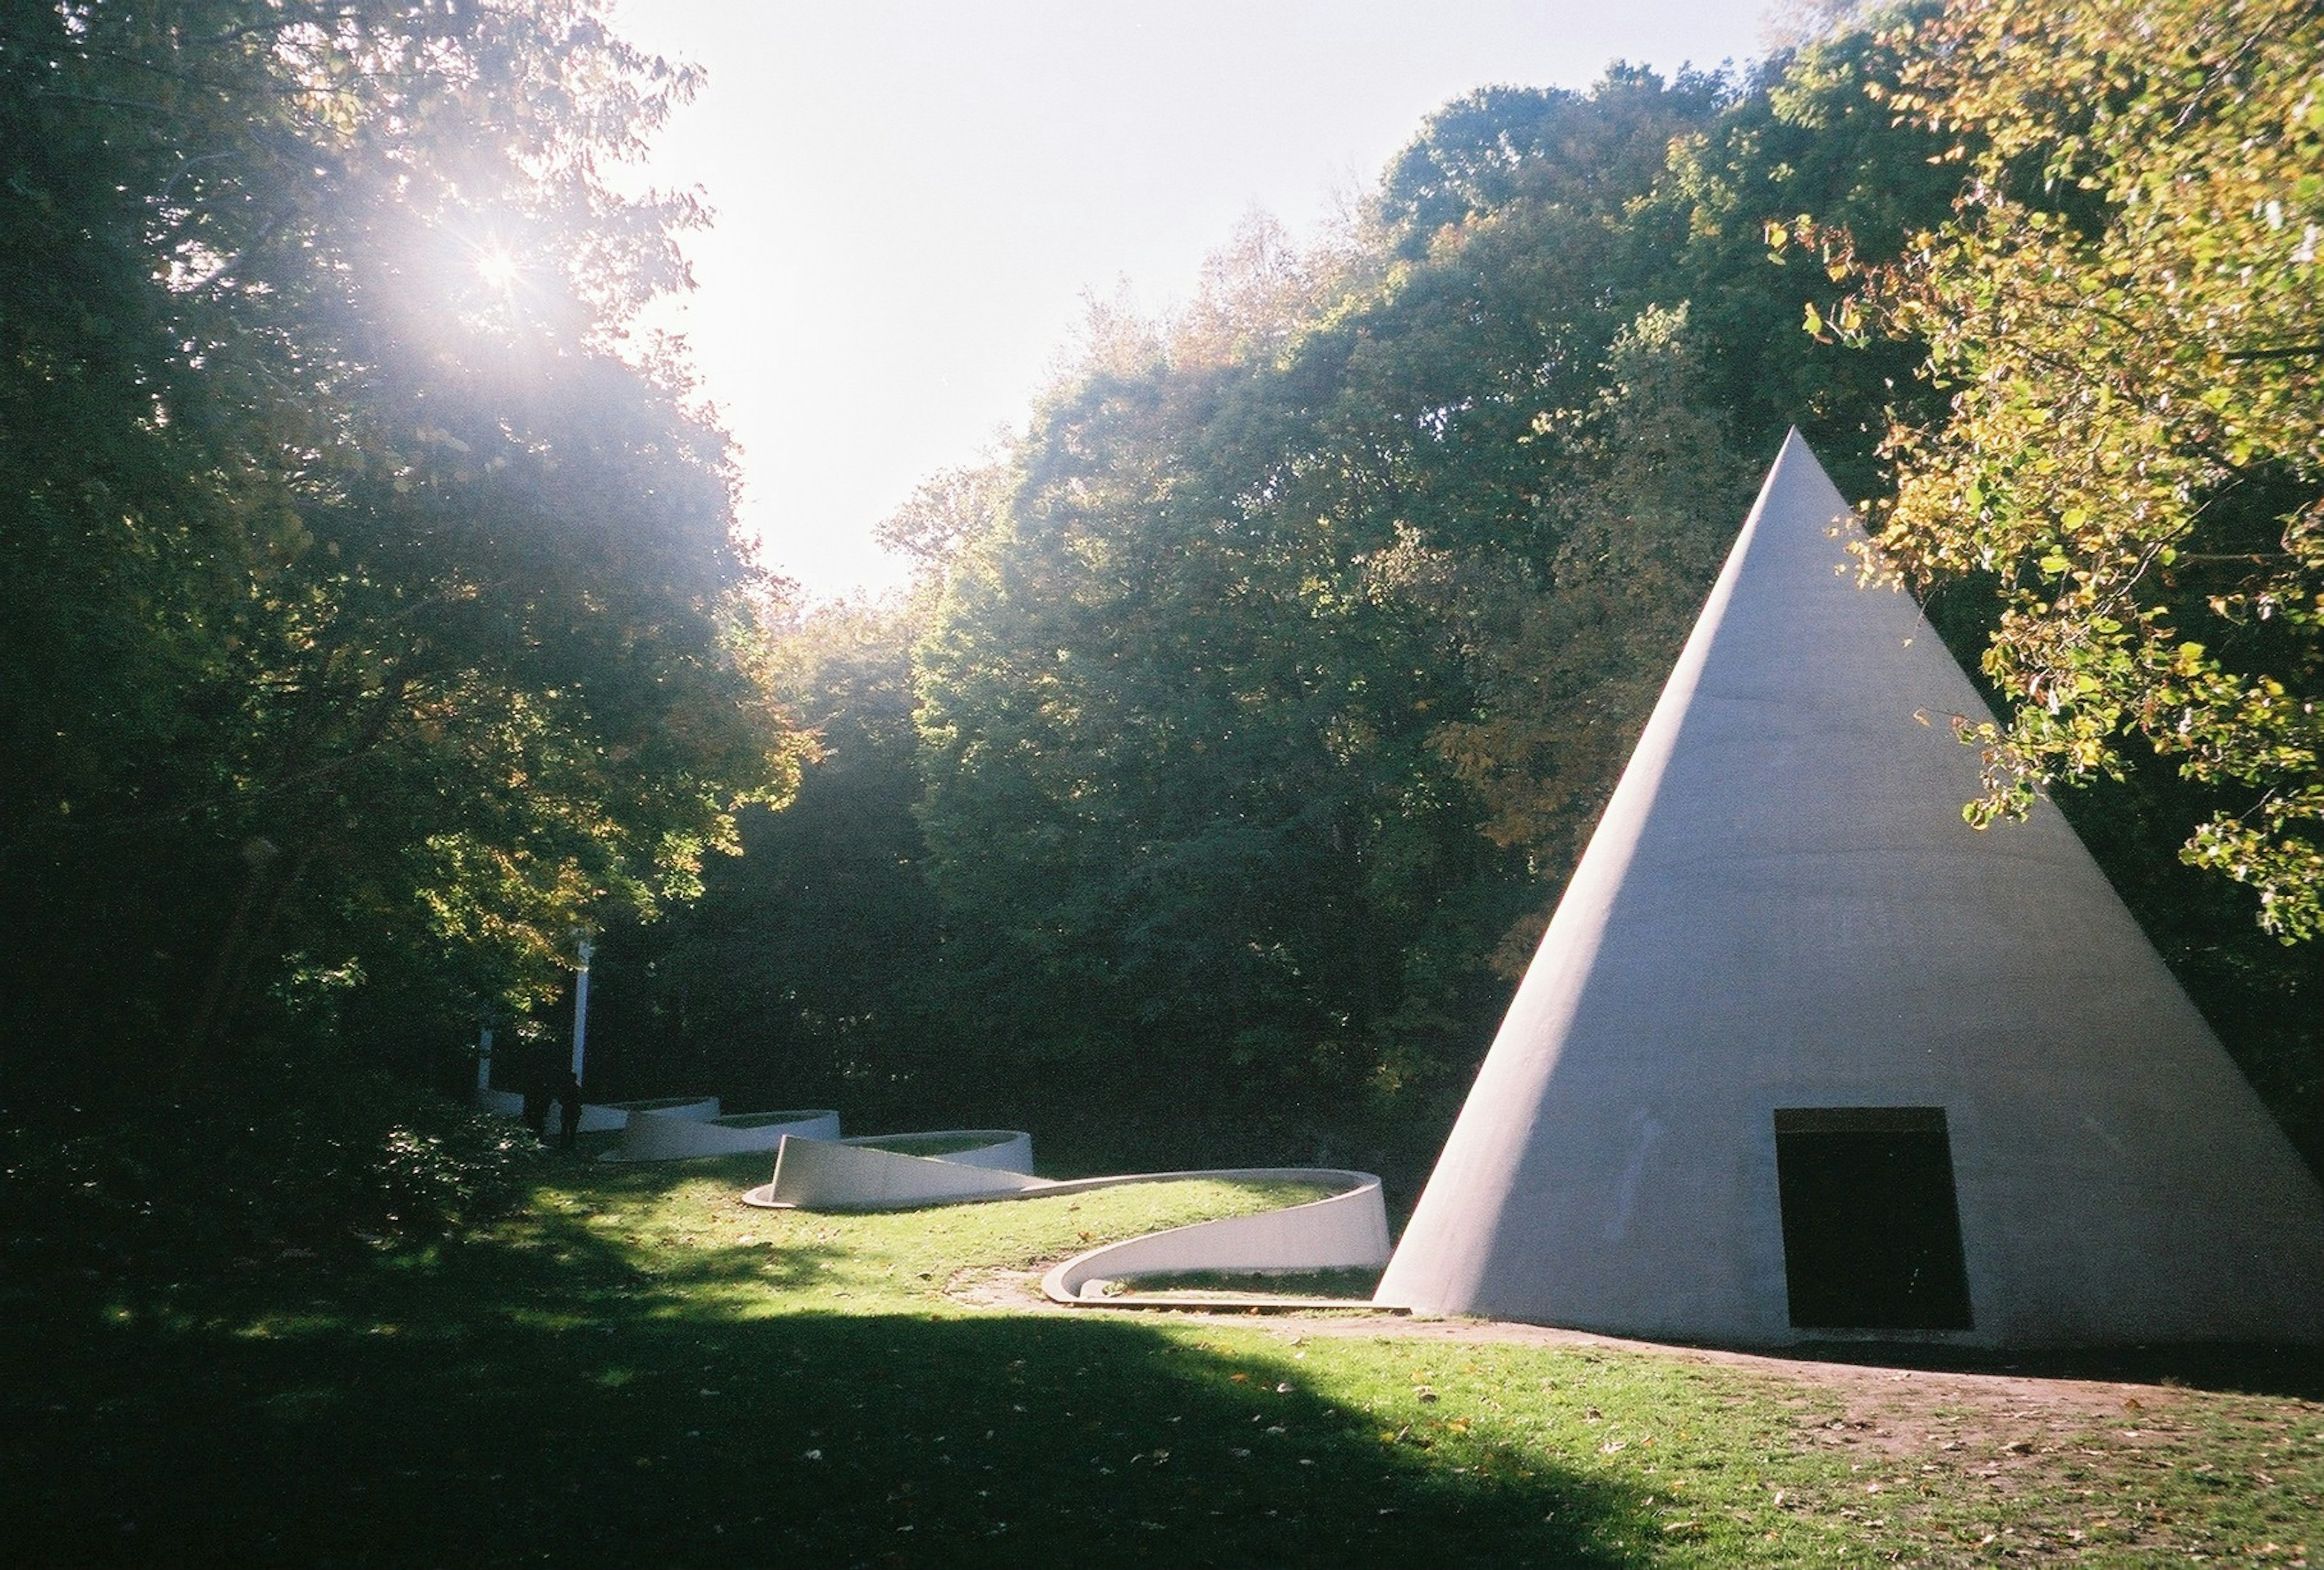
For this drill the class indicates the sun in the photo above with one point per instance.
(498, 268)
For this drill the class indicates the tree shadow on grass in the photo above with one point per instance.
(485, 1404)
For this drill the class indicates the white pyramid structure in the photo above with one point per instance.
(1804, 1057)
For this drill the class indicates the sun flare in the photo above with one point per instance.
(498, 268)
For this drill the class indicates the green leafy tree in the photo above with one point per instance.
(1567, 655)
(1500, 146)
(814, 969)
(1626, 359)
(1177, 798)
(1182, 739)
(1810, 136)
(2128, 313)
(371, 615)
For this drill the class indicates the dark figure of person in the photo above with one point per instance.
(569, 1110)
(536, 1104)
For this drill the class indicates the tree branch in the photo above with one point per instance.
(2279, 352)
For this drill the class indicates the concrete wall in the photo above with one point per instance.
(597, 1119)
(1343, 1231)
(667, 1135)
(997, 1150)
(850, 1175)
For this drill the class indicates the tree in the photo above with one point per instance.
(1498, 146)
(814, 969)
(371, 615)
(1177, 802)
(1566, 655)
(2127, 310)
(1810, 136)
(1183, 739)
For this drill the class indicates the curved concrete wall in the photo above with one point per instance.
(667, 1135)
(616, 1115)
(998, 1150)
(607, 1118)
(1343, 1231)
(851, 1175)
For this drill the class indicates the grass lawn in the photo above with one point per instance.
(639, 1370)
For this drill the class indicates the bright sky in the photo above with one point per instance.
(913, 197)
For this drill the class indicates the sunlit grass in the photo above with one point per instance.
(776, 1262)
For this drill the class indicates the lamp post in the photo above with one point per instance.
(588, 951)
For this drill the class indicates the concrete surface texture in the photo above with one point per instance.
(1347, 1230)
(673, 1135)
(998, 1150)
(859, 1173)
(1783, 908)
(598, 1118)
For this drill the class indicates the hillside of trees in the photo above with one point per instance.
(1211, 783)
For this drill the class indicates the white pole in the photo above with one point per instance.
(581, 1006)
(485, 1058)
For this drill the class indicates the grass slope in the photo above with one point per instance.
(639, 1370)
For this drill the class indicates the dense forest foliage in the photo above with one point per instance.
(379, 624)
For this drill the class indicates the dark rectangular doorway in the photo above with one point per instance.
(1871, 1230)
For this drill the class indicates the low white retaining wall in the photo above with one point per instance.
(613, 1115)
(999, 1150)
(1342, 1231)
(597, 1119)
(666, 1135)
(858, 1175)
